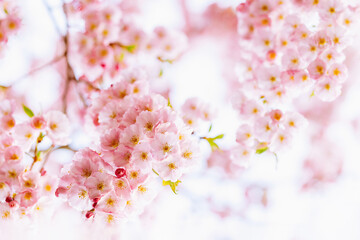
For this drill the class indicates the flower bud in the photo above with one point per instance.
(42, 171)
(60, 190)
(90, 214)
(120, 172)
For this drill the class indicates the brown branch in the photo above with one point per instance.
(51, 150)
(47, 154)
(36, 152)
(70, 76)
(34, 70)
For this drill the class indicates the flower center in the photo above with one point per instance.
(100, 186)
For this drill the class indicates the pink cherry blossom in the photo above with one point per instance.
(13, 154)
(118, 114)
(58, 127)
(98, 184)
(38, 123)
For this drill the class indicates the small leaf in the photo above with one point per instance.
(28, 111)
(169, 104)
(122, 56)
(219, 136)
(161, 73)
(172, 185)
(212, 143)
(210, 127)
(261, 150)
(155, 172)
(130, 48)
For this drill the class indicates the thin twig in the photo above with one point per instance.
(36, 152)
(47, 154)
(51, 150)
(51, 15)
(31, 72)
(69, 71)
(186, 14)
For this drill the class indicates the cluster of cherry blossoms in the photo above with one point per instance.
(24, 183)
(112, 40)
(288, 49)
(275, 52)
(141, 138)
(9, 21)
(195, 112)
(296, 47)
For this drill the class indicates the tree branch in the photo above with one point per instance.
(31, 72)
(69, 71)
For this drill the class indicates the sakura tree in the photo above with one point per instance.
(120, 115)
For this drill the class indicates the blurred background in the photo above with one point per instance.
(309, 191)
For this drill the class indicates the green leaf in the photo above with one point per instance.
(169, 104)
(210, 127)
(28, 111)
(218, 136)
(161, 73)
(172, 185)
(130, 48)
(212, 143)
(155, 172)
(261, 150)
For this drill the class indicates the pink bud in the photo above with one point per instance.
(120, 172)
(42, 171)
(8, 199)
(13, 204)
(96, 120)
(60, 190)
(89, 214)
(95, 202)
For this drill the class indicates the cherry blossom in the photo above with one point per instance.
(146, 138)
(24, 182)
(10, 21)
(130, 134)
